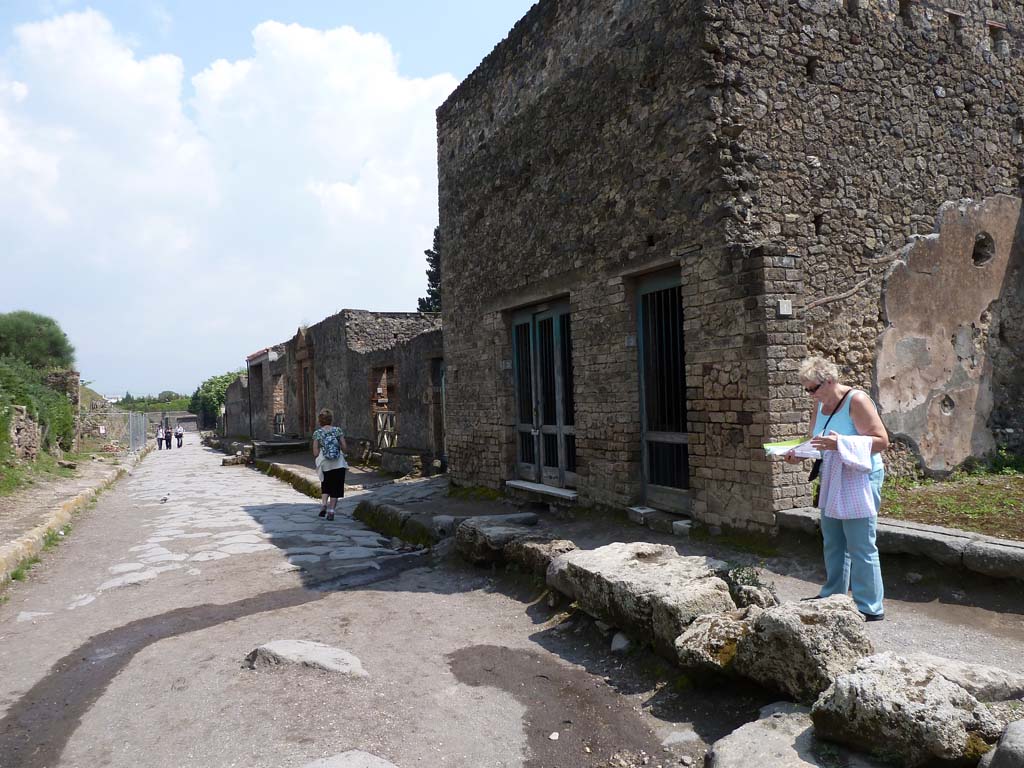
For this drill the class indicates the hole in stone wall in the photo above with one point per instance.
(819, 220)
(956, 23)
(999, 40)
(651, 240)
(812, 67)
(947, 405)
(852, 7)
(906, 12)
(984, 249)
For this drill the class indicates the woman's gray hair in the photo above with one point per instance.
(325, 417)
(818, 369)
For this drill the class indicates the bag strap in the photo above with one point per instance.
(836, 410)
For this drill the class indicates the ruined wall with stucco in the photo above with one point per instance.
(945, 303)
(859, 127)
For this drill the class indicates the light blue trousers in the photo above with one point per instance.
(851, 557)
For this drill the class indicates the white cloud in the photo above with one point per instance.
(173, 227)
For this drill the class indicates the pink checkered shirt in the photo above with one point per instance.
(846, 479)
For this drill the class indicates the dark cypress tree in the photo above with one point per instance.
(432, 301)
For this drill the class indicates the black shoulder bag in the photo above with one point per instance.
(816, 468)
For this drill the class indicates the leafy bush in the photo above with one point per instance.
(209, 396)
(21, 384)
(36, 339)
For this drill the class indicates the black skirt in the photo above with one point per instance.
(334, 483)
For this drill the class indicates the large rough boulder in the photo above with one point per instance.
(748, 587)
(783, 737)
(305, 653)
(709, 644)
(534, 554)
(906, 712)
(648, 590)
(800, 648)
(483, 540)
(983, 682)
(1009, 752)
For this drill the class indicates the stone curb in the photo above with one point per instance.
(1001, 558)
(294, 479)
(31, 543)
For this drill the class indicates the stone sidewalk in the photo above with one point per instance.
(30, 513)
(986, 555)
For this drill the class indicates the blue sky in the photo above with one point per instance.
(182, 183)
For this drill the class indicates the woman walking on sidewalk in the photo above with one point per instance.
(846, 428)
(160, 438)
(329, 454)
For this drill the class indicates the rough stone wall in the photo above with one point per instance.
(70, 384)
(857, 127)
(236, 408)
(412, 395)
(26, 437)
(370, 331)
(342, 343)
(583, 153)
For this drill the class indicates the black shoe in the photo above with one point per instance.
(323, 512)
(816, 597)
(330, 516)
(873, 616)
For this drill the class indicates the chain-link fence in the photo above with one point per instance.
(112, 431)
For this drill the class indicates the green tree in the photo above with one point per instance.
(209, 396)
(36, 339)
(166, 396)
(432, 301)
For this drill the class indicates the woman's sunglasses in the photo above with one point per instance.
(812, 390)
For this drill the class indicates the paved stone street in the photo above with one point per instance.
(126, 646)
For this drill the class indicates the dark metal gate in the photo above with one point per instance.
(663, 391)
(545, 418)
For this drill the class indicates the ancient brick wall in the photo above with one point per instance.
(858, 121)
(583, 154)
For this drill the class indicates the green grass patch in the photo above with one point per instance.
(15, 475)
(983, 497)
(21, 572)
(55, 537)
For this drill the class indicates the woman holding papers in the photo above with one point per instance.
(846, 428)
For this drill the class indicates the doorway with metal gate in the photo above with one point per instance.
(544, 410)
(665, 443)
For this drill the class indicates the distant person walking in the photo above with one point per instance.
(179, 432)
(169, 437)
(329, 454)
(846, 428)
(160, 438)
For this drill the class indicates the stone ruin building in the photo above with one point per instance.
(651, 211)
(380, 372)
